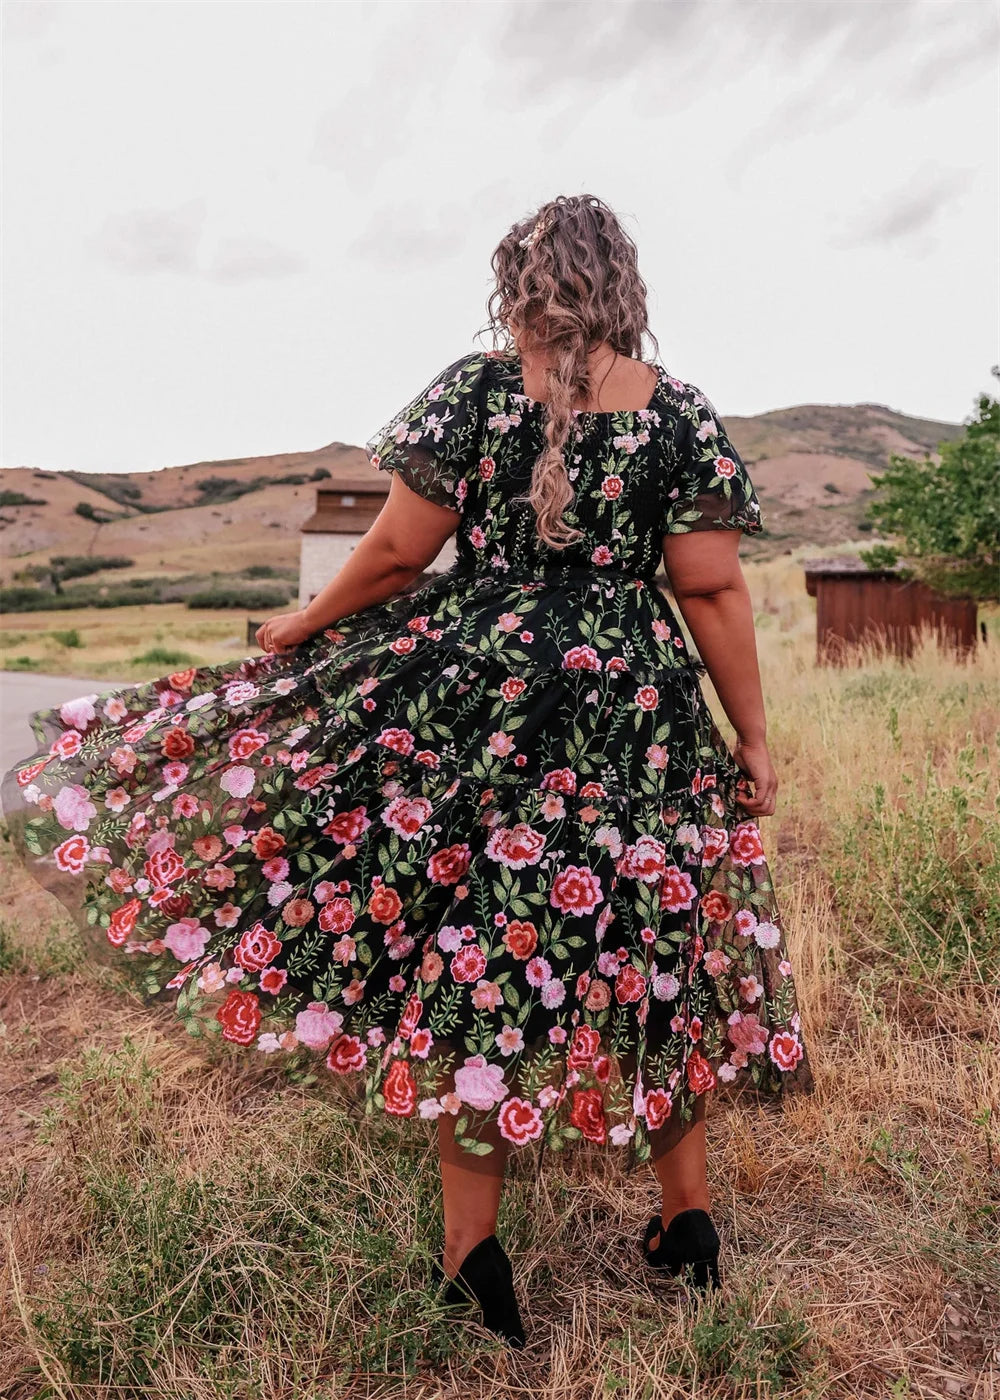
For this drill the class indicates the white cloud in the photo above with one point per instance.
(238, 228)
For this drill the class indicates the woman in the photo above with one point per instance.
(478, 849)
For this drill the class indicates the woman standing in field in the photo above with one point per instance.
(479, 849)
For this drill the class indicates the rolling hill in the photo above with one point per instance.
(810, 464)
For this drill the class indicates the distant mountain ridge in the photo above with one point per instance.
(810, 464)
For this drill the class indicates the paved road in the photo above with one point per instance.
(22, 692)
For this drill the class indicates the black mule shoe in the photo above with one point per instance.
(487, 1278)
(689, 1247)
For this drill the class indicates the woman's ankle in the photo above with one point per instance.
(689, 1200)
(458, 1246)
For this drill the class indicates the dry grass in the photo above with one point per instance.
(112, 639)
(172, 1231)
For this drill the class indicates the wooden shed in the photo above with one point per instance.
(856, 603)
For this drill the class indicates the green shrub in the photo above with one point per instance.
(18, 498)
(220, 489)
(80, 565)
(919, 874)
(22, 663)
(247, 599)
(88, 512)
(320, 474)
(67, 639)
(163, 656)
(113, 595)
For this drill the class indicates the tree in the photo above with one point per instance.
(945, 515)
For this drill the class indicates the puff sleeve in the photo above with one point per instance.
(710, 487)
(434, 438)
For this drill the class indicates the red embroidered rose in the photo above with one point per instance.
(576, 890)
(521, 938)
(700, 1075)
(27, 775)
(658, 1107)
(347, 827)
(583, 1047)
(745, 845)
(239, 1017)
(400, 1090)
(163, 867)
(67, 744)
(447, 867)
(716, 907)
(246, 742)
(347, 1055)
(410, 1018)
(407, 815)
(676, 890)
(336, 916)
(581, 658)
(399, 740)
(560, 780)
(267, 842)
(630, 985)
(176, 906)
(647, 697)
(516, 846)
(519, 1121)
(123, 922)
(645, 860)
(588, 1114)
(256, 949)
(385, 905)
(785, 1050)
(71, 854)
(181, 680)
(177, 743)
(468, 964)
(512, 687)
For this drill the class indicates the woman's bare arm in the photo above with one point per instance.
(407, 536)
(706, 579)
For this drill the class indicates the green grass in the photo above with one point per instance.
(163, 656)
(920, 873)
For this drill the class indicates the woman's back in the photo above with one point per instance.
(470, 440)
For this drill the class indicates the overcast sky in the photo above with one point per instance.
(234, 229)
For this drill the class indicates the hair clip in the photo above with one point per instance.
(542, 226)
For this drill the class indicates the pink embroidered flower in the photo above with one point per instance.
(480, 1085)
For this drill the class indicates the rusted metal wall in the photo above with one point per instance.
(849, 609)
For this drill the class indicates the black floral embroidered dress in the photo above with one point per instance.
(489, 825)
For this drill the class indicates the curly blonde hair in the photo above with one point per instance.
(569, 275)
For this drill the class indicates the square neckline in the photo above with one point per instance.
(591, 412)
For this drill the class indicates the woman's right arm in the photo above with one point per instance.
(706, 579)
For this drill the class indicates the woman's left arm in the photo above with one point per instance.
(711, 591)
(408, 534)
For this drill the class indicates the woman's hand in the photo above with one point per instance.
(755, 761)
(283, 634)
